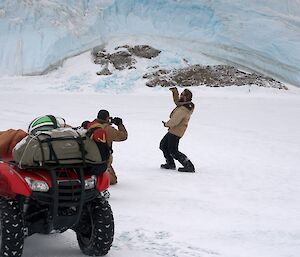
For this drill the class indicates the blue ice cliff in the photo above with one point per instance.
(260, 35)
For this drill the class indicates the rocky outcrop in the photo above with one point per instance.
(126, 57)
(212, 76)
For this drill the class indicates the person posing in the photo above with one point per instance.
(104, 122)
(177, 125)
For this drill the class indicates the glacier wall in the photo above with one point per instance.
(260, 35)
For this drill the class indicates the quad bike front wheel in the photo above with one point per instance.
(95, 232)
(11, 228)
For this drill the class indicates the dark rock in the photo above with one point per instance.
(144, 51)
(122, 60)
(155, 74)
(101, 57)
(160, 82)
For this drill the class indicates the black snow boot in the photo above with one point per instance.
(168, 166)
(188, 166)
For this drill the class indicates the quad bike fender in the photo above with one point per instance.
(103, 182)
(11, 183)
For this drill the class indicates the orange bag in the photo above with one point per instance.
(8, 140)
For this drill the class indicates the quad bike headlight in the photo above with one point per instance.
(37, 185)
(90, 182)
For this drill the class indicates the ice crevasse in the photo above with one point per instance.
(260, 35)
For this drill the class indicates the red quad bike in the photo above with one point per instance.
(54, 199)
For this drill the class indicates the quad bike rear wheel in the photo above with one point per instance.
(11, 228)
(96, 228)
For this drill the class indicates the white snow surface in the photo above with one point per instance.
(243, 200)
(260, 35)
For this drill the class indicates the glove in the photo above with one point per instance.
(164, 123)
(118, 121)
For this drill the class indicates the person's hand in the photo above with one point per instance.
(118, 121)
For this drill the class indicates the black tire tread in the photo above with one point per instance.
(103, 232)
(12, 228)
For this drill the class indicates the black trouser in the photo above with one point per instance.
(169, 146)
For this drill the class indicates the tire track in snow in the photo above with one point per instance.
(158, 243)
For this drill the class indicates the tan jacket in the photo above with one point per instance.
(114, 134)
(179, 117)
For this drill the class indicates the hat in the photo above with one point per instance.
(188, 94)
(103, 115)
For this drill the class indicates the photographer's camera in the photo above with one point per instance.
(116, 120)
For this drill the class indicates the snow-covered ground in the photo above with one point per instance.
(243, 201)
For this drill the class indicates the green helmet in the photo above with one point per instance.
(44, 123)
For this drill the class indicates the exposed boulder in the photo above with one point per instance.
(120, 60)
(144, 51)
(124, 59)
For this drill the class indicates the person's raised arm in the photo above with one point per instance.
(175, 94)
(119, 134)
